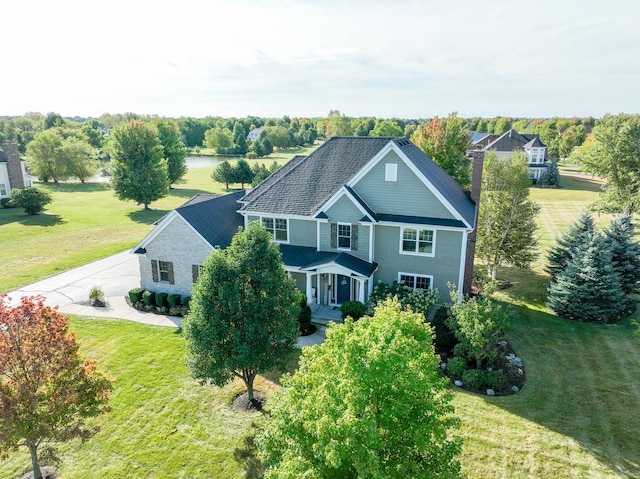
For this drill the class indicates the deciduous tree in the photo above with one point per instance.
(615, 155)
(386, 128)
(507, 218)
(446, 142)
(223, 173)
(138, 170)
(366, 403)
(220, 139)
(46, 390)
(243, 317)
(175, 152)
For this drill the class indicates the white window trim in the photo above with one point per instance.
(415, 275)
(391, 172)
(338, 236)
(274, 218)
(160, 271)
(4, 188)
(417, 253)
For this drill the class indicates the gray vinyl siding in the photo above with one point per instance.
(303, 232)
(444, 266)
(406, 196)
(178, 244)
(301, 281)
(344, 211)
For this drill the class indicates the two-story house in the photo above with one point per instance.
(511, 141)
(356, 211)
(13, 173)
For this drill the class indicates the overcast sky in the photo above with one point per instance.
(398, 58)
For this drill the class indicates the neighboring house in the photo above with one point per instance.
(255, 134)
(356, 211)
(13, 173)
(511, 141)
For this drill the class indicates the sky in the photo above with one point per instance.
(396, 58)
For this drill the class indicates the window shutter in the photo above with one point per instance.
(170, 273)
(334, 235)
(195, 272)
(154, 270)
(354, 237)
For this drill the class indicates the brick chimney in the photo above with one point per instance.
(476, 185)
(14, 167)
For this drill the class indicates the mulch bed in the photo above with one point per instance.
(309, 331)
(241, 401)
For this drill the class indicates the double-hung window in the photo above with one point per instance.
(416, 281)
(344, 236)
(163, 270)
(278, 228)
(3, 189)
(418, 241)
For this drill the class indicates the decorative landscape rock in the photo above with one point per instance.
(491, 392)
(515, 389)
(458, 383)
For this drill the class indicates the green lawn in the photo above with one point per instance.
(86, 222)
(576, 417)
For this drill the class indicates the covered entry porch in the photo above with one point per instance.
(329, 279)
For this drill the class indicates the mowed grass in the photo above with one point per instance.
(576, 416)
(163, 422)
(86, 222)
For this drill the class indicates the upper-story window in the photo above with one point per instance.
(278, 228)
(3, 189)
(417, 241)
(344, 236)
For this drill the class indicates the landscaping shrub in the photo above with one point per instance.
(96, 294)
(444, 336)
(7, 203)
(457, 366)
(418, 300)
(31, 198)
(494, 379)
(474, 377)
(185, 300)
(161, 300)
(355, 309)
(135, 295)
(149, 298)
(304, 317)
(173, 300)
(484, 283)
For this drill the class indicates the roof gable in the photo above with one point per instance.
(512, 140)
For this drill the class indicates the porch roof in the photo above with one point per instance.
(309, 258)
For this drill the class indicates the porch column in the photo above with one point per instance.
(361, 290)
(318, 288)
(309, 289)
(370, 282)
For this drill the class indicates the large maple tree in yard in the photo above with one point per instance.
(46, 389)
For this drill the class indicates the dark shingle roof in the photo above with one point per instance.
(512, 140)
(421, 220)
(309, 183)
(303, 186)
(309, 258)
(216, 219)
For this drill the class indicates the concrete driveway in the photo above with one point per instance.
(115, 276)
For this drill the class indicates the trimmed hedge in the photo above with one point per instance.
(149, 298)
(185, 300)
(135, 295)
(355, 309)
(173, 300)
(161, 300)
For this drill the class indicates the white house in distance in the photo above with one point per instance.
(255, 134)
(506, 144)
(13, 173)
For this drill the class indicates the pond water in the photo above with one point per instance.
(202, 161)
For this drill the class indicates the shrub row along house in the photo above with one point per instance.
(356, 211)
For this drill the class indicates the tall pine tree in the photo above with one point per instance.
(625, 252)
(588, 288)
(573, 238)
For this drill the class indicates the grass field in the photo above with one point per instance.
(86, 222)
(576, 417)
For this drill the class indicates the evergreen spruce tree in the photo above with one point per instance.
(625, 252)
(551, 177)
(588, 288)
(576, 236)
(239, 139)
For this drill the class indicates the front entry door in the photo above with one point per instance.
(343, 289)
